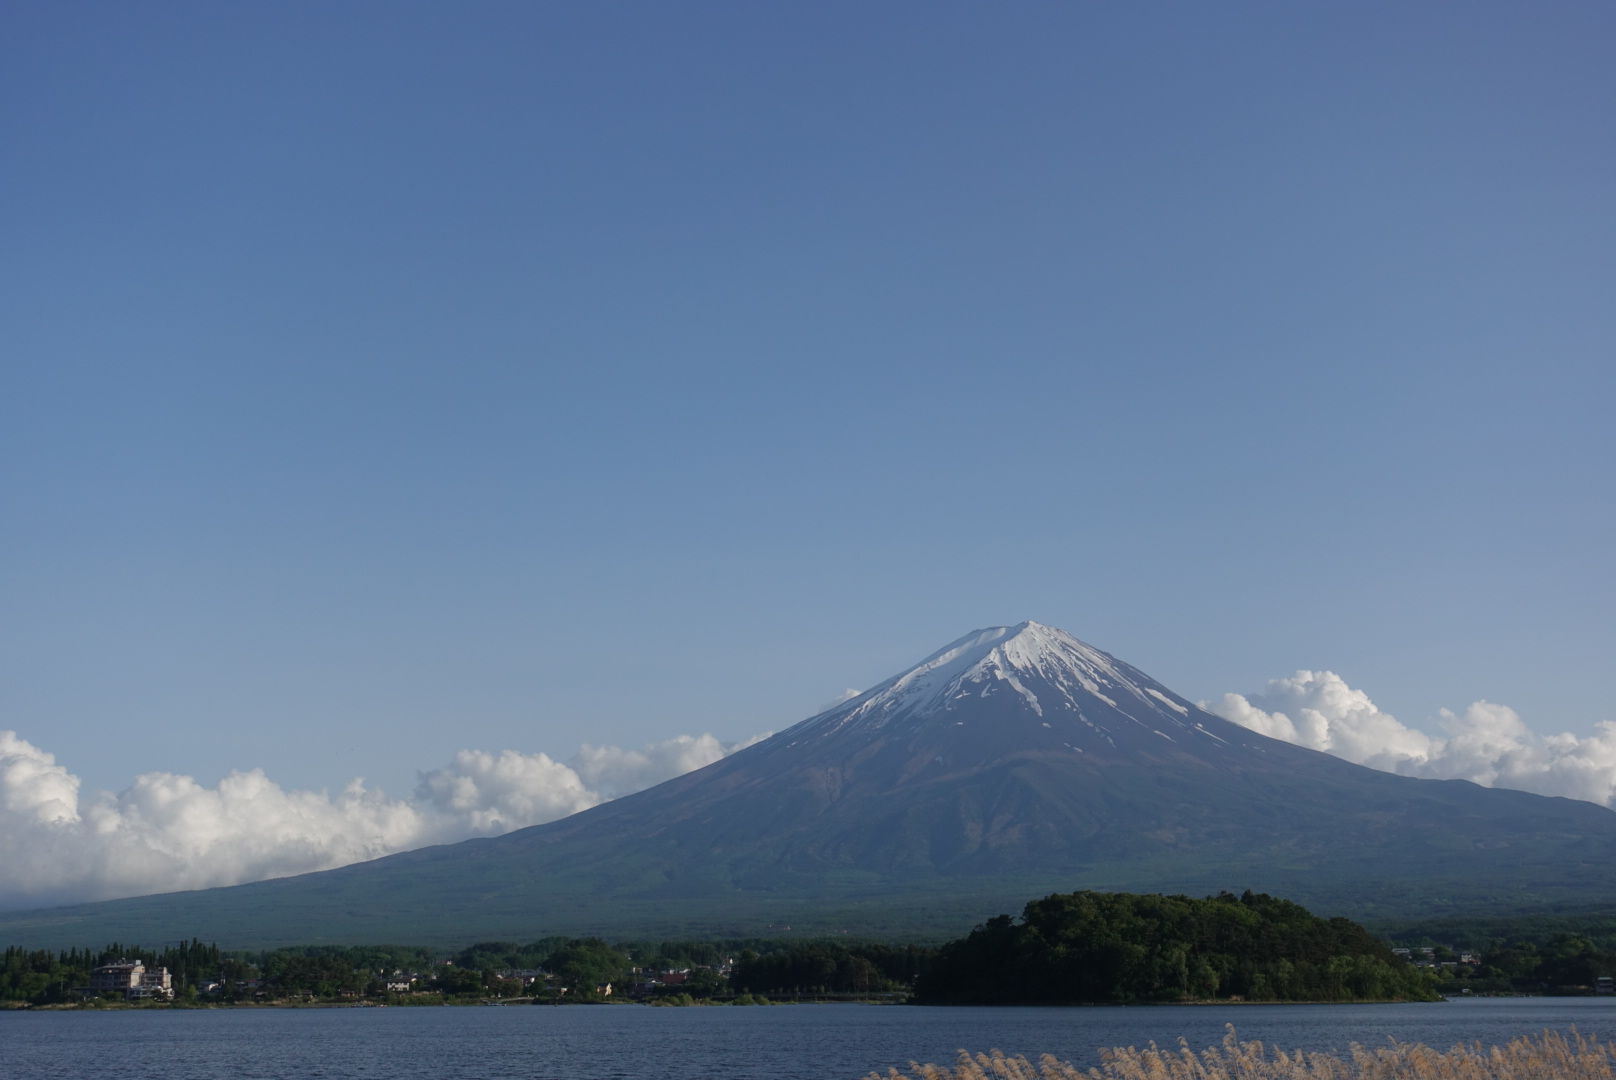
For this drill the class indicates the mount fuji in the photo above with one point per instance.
(1014, 762)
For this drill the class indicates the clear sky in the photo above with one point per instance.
(380, 380)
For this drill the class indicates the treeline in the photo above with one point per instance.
(1078, 947)
(832, 967)
(42, 977)
(571, 969)
(1544, 954)
(1564, 964)
(1480, 934)
(713, 969)
(1122, 947)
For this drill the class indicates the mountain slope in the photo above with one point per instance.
(1015, 761)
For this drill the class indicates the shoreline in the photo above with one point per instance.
(220, 1006)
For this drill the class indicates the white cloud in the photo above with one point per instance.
(615, 771)
(841, 699)
(486, 793)
(1487, 743)
(167, 832)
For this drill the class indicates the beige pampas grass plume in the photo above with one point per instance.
(1550, 1056)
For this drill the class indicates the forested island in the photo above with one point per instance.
(1083, 947)
(1123, 948)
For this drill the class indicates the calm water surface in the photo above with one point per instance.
(790, 1042)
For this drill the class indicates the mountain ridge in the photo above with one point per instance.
(1012, 761)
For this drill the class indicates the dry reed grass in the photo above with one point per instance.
(1551, 1056)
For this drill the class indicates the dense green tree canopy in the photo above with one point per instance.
(830, 967)
(1124, 947)
(583, 963)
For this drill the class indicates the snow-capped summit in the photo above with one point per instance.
(1057, 689)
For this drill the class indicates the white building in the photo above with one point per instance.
(133, 979)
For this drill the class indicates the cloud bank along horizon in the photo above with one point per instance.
(167, 832)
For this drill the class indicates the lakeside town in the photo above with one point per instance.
(133, 981)
(1065, 948)
(550, 971)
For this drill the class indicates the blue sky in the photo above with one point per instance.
(382, 380)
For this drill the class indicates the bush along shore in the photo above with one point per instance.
(1549, 1057)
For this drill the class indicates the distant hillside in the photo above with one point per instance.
(1480, 932)
(1015, 762)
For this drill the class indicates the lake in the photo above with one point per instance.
(786, 1042)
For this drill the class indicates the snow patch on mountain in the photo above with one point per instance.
(1167, 701)
(1008, 657)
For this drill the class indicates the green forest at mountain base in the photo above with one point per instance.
(349, 909)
